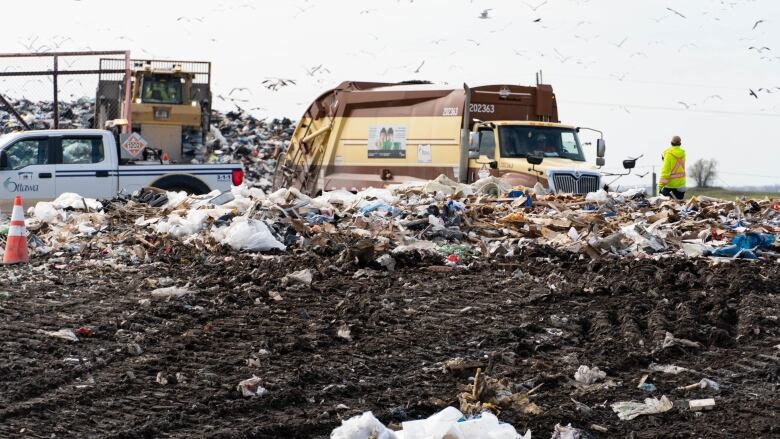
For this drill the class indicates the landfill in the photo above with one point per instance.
(427, 309)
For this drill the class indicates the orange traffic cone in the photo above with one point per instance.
(16, 247)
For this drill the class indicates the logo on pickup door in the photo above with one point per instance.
(12, 186)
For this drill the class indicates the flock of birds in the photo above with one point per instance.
(319, 73)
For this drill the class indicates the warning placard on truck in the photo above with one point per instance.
(387, 142)
(134, 144)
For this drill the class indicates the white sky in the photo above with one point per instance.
(631, 92)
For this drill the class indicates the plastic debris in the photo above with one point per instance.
(705, 383)
(697, 405)
(667, 368)
(362, 427)
(448, 423)
(627, 410)
(169, 292)
(568, 432)
(251, 387)
(65, 334)
(301, 276)
(587, 375)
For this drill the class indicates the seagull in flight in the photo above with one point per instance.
(534, 8)
(675, 12)
(484, 14)
(755, 25)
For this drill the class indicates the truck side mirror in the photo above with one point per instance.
(629, 164)
(535, 158)
(3, 160)
(600, 161)
(601, 147)
(473, 141)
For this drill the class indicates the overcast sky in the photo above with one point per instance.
(635, 69)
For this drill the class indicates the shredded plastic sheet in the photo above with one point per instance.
(247, 234)
(628, 410)
(449, 423)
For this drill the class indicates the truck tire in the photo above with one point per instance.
(177, 183)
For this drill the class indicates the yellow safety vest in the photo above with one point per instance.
(673, 169)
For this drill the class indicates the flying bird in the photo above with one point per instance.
(417, 70)
(620, 77)
(718, 97)
(534, 8)
(274, 84)
(484, 14)
(676, 12)
(620, 44)
(235, 89)
(755, 25)
(752, 93)
(759, 49)
(686, 105)
(537, 20)
(473, 41)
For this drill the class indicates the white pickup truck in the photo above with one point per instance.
(40, 165)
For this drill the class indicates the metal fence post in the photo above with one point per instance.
(56, 114)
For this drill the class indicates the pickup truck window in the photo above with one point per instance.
(82, 150)
(26, 152)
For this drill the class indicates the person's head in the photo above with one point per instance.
(383, 134)
(390, 134)
(676, 141)
(540, 139)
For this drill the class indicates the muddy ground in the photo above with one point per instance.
(532, 318)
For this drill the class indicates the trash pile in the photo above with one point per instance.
(448, 221)
(235, 136)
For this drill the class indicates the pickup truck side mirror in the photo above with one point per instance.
(3, 160)
(601, 147)
(600, 161)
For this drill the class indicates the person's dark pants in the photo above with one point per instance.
(674, 193)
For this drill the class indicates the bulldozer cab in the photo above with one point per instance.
(162, 88)
(170, 105)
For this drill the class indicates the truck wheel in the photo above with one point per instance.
(178, 183)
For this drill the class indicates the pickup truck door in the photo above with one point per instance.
(26, 170)
(82, 166)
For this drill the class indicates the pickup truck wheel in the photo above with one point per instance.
(178, 183)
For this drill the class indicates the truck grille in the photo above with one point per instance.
(568, 182)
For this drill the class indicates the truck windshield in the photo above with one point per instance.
(518, 141)
(161, 89)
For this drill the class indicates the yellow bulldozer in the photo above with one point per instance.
(170, 104)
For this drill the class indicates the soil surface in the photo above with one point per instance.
(163, 368)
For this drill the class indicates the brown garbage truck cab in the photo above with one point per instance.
(363, 134)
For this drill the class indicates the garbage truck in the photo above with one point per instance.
(170, 104)
(371, 134)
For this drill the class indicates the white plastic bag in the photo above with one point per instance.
(247, 235)
(47, 213)
(362, 427)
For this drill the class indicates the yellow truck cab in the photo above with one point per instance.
(363, 134)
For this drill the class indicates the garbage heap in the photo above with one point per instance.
(234, 137)
(441, 221)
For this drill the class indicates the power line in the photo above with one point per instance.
(673, 84)
(659, 108)
(749, 175)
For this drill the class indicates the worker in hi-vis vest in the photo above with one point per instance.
(672, 182)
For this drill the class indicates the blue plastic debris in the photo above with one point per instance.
(744, 245)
